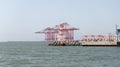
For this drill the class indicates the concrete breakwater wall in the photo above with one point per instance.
(99, 43)
(85, 43)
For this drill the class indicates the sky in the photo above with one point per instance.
(19, 19)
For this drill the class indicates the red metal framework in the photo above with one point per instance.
(50, 34)
(67, 31)
(99, 37)
(61, 32)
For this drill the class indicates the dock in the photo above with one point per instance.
(99, 43)
(80, 43)
(63, 35)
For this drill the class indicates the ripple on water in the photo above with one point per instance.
(40, 55)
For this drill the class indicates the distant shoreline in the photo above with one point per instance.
(20, 41)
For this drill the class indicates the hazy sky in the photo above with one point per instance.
(19, 19)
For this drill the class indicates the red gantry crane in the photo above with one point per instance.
(50, 34)
(61, 32)
(66, 32)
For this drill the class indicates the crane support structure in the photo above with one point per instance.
(61, 32)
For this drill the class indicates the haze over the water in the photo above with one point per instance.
(19, 19)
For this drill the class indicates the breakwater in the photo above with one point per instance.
(85, 43)
(65, 43)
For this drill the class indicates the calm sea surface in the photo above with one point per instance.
(39, 54)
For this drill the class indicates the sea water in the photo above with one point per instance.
(39, 54)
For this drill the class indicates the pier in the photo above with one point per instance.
(80, 43)
(63, 35)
